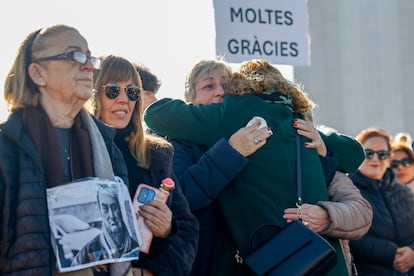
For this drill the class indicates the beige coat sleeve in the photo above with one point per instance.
(350, 214)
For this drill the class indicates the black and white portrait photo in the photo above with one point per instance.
(92, 223)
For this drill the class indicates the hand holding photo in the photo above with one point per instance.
(92, 227)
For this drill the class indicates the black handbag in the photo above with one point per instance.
(295, 249)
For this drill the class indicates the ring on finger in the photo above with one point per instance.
(256, 140)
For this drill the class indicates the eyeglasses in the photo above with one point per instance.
(404, 162)
(76, 56)
(113, 90)
(382, 154)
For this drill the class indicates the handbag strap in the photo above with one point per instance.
(298, 188)
(299, 201)
(298, 171)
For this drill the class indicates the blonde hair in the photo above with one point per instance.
(118, 69)
(257, 76)
(199, 70)
(19, 89)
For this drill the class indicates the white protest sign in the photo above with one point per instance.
(275, 30)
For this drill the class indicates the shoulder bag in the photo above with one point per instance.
(295, 249)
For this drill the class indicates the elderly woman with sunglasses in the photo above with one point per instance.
(149, 160)
(387, 248)
(48, 140)
(402, 163)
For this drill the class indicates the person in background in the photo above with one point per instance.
(49, 140)
(117, 102)
(251, 199)
(387, 248)
(404, 137)
(402, 163)
(150, 85)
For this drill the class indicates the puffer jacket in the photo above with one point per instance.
(392, 225)
(349, 212)
(25, 247)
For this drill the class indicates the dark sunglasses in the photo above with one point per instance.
(113, 90)
(76, 56)
(404, 162)
(382, 154)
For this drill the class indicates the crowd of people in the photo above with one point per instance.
(230, 147)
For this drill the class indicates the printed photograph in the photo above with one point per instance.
(94, 226)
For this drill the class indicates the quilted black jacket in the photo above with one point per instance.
(392, 225)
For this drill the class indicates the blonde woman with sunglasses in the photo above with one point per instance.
(387, 248)
(117, 102)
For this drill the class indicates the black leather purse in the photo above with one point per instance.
(295, 249)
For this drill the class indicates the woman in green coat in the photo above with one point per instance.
(267, 185)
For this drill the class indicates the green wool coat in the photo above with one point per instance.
(267, 185)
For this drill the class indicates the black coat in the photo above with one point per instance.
(24, 227)
(175, 254)
(392, 224)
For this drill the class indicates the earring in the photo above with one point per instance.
(42, 83)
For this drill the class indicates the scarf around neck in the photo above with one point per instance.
(90, 156)
(39, 127)
(274, 96)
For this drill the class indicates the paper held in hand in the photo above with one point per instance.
(92, 222)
